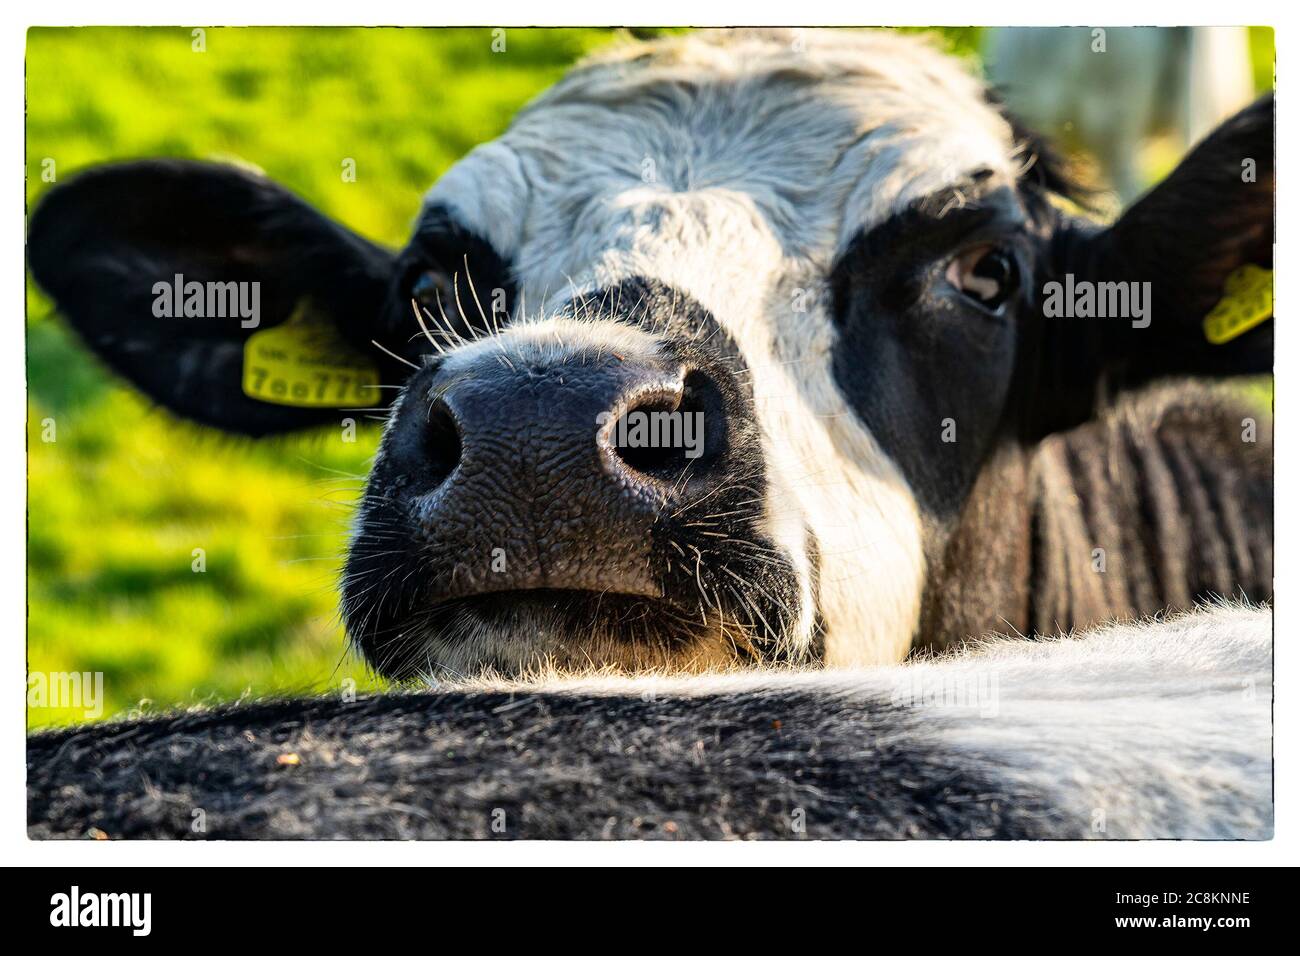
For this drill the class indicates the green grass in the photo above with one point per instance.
(120, 499)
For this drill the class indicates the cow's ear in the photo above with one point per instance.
(219, 294)
(1196, 252)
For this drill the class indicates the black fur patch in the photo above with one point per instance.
(926, 370)
(441, 766)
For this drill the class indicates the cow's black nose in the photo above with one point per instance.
(537, 473)
(639, 424)
(621, 427)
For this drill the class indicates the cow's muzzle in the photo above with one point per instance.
(550, 474)
(546, 492)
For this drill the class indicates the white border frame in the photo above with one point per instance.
(17, 848)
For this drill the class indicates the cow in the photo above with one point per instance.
(1137, 730)
(840, 257)
(1012, 739)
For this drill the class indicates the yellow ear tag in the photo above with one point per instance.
(307, 364)
(1247, 301)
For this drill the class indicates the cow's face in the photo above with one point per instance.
(698, 362)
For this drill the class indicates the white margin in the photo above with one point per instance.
(17, 849)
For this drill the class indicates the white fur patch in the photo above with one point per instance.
(1156, 729)
(557, 340)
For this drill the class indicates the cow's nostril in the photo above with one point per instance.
(442, 444)
(665, 433)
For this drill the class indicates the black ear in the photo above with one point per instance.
(181, 274)
(1202, 236)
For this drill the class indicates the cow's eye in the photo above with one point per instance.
(986, 274)
(433, 290)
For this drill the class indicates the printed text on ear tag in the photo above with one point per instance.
(306, 363)
(1247, 301)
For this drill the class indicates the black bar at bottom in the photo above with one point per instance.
(333, 905)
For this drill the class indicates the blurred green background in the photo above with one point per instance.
(120, 499)
(122, 496)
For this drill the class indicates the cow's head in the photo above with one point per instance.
(826, 254)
